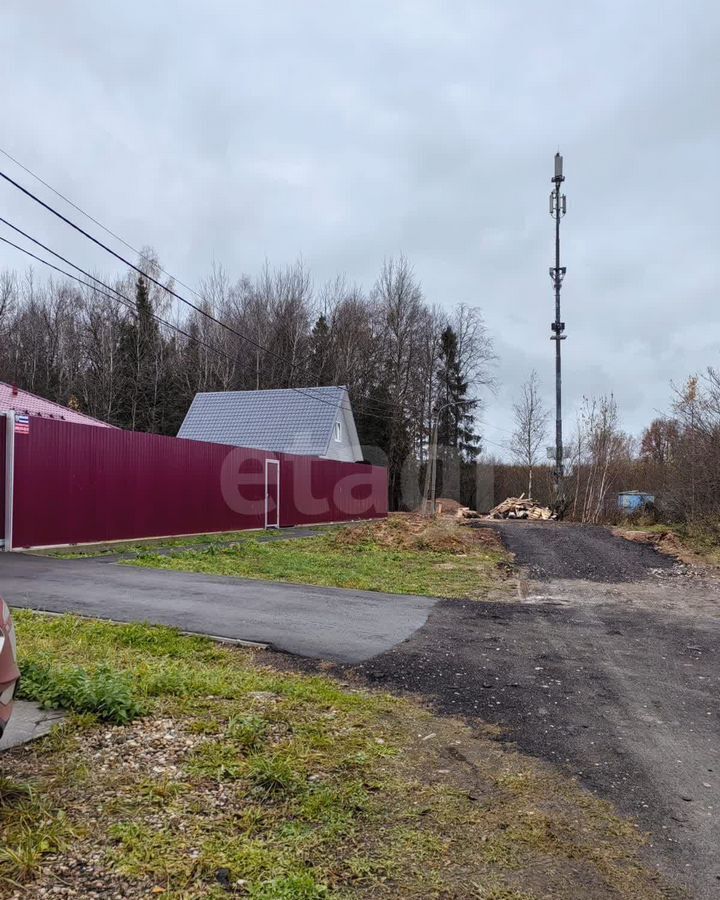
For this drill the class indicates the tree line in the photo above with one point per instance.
(111, 355)
(676, 458)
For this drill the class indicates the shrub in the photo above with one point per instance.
(104, 693)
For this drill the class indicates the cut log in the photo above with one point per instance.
(521, 507)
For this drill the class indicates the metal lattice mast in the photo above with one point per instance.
(557, 273)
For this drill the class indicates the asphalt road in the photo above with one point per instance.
(608, 664)
(342, 626)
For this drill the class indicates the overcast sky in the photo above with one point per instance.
(346, 132)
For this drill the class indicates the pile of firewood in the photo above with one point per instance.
(466, 513)
(520, 508)
(453, 508)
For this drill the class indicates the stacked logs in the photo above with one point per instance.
(520, 508)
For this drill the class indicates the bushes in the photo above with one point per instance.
(104, 693)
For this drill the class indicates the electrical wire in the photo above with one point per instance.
(96, 221)
(132, 306)
(376, 404)
(306, 391)
(135, 268)
(303, 391)
(125, 301)
(496, 427)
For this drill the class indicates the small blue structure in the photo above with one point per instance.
(635, 501)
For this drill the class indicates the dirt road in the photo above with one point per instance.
(608, 664)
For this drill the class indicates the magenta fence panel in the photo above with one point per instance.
(3, 423)
(80, 484)
(323, 490)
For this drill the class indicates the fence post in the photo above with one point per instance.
(9, 477)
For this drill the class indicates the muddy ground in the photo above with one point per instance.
(607, 663)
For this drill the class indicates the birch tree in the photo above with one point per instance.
(531, 420)
(606, 449)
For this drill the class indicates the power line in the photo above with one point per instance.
(302, 391)
(132, 307)
(207, 315)
(118, 296)
(135, 268)
(496, 427)
(377, 404)
(96, 221)
(374, 404)
(130, 304)
(485, 440)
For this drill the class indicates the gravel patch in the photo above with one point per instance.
(550, 550)
(152, 749)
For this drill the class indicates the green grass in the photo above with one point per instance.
(31, 829)
(281, 785)
(365, 564)
(703, 541)
(104, 693)
(115, 548)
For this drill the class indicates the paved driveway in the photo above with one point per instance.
(339, 625)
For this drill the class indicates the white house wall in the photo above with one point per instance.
(347, 449)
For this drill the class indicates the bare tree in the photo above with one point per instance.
(693, 470)
(137, 362)
(606, 452)
(400, 316)
(475, 347)
(531, 420)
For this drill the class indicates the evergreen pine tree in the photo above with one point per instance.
(374, 428)
(319, 369)
(140, 366)
(456, 420)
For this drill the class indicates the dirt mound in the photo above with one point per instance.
(666, 542)
(408, 531)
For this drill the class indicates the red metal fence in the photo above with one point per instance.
(3, 421)
(80, 484)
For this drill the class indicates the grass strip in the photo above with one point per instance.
(439, 560)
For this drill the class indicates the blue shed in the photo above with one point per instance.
(634, 501)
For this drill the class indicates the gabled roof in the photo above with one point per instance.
(287, 420)
(13, 399)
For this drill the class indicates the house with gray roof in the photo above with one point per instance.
(315, 421)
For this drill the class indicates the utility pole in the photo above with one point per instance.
(557, 274)
(431, 469)
(428, 504)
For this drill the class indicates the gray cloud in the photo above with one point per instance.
(347, 132)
